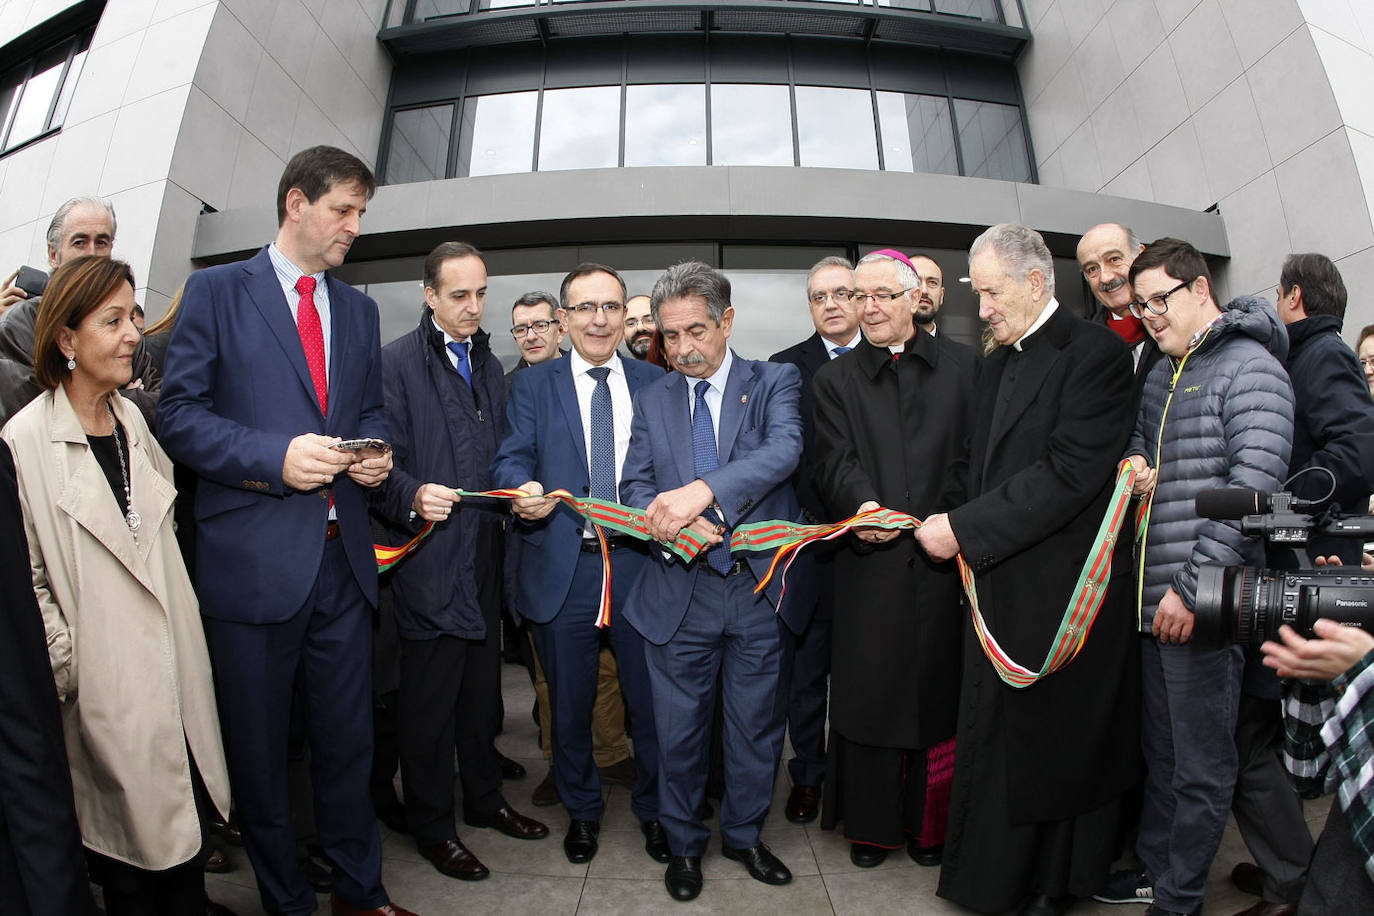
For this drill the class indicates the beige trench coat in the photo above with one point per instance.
(124, 636)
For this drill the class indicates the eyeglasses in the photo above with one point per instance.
(538, 327)
(586, 308)
(841, 296)
(880, 296)
(1367, 362)
(633, 323)
(1157, 305)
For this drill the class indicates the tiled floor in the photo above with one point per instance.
(536, 878)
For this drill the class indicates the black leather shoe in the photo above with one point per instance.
(761, 864)
(510, 769)
(929, 856)
(866, 856)
(803, 804)
(454, 859)
(509, 822)
(228, 831)
(217, 863)
(1045, 905)
(580, 843)
(317, 875)
(1248, 877)
(655, 840)
(683, 877)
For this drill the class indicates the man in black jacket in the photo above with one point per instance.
(836, 317)
(445, 405)
(1333, 431)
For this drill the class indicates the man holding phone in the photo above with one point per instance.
(273, 362)
(81, 226)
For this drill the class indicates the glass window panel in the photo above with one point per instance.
(419, 144)
(750, 125)
(835, 128)
(917, 136)
(429, 9)
(497, 134)
(991, 140)
(973, 9)
(30, 118)
(9, 92)
(64, 100)
(665, 125)
(580, 128)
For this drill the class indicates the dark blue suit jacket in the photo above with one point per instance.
(760, 442)
(237, 390)
(544, 442)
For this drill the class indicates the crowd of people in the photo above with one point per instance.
(200, 502)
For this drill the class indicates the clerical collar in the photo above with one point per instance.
(1049, 310)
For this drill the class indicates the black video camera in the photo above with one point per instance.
(1245, 605)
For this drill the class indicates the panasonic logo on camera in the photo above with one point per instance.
(1343, 602)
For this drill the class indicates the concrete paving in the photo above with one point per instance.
(534, 877)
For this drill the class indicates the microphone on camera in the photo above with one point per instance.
(1238, 502)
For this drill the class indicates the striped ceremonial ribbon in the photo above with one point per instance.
(788, 539)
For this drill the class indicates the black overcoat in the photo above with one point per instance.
(42, 869)
(1041, 467)
(892, 431)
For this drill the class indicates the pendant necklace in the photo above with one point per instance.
(131, 518)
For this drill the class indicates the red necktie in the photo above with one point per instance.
(312, 339)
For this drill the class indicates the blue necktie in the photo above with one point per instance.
(840, 351)
(602, 464)
(460, 350)
(704, 460)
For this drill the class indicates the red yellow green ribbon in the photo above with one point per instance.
(787, 539)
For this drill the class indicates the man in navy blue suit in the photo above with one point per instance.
(568, 427)
(713, 447)
(273, 362)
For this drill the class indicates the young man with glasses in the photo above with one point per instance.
(1217, 413)
(639, 326)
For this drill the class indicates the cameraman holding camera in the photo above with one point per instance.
(1331, 749)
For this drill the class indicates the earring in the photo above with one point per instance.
(71, 362)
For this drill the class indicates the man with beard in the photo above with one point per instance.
(639, 326)
(929, 291)
(890, 418)
(1040, 770)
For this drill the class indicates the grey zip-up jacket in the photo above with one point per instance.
(1222, 416)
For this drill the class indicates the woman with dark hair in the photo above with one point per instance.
(123, 627)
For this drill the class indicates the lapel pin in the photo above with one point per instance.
(744, 399)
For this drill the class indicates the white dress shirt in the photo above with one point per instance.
(715, 395)
(622, 409)
(831, 345)
(287, 275)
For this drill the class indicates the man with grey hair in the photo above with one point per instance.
(537, 327)
(1041, 770)
(1105, 255)
(829, 287)
(81, 226)
(713, 447)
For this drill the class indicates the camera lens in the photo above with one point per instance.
(1247, 606)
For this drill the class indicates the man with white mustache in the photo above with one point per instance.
(1105, 255)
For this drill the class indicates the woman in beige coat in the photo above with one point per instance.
(123, 626)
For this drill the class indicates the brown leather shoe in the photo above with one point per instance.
(509, 822)
(1265, 908)
(803, 804)
(452, 858)
(339, 908)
